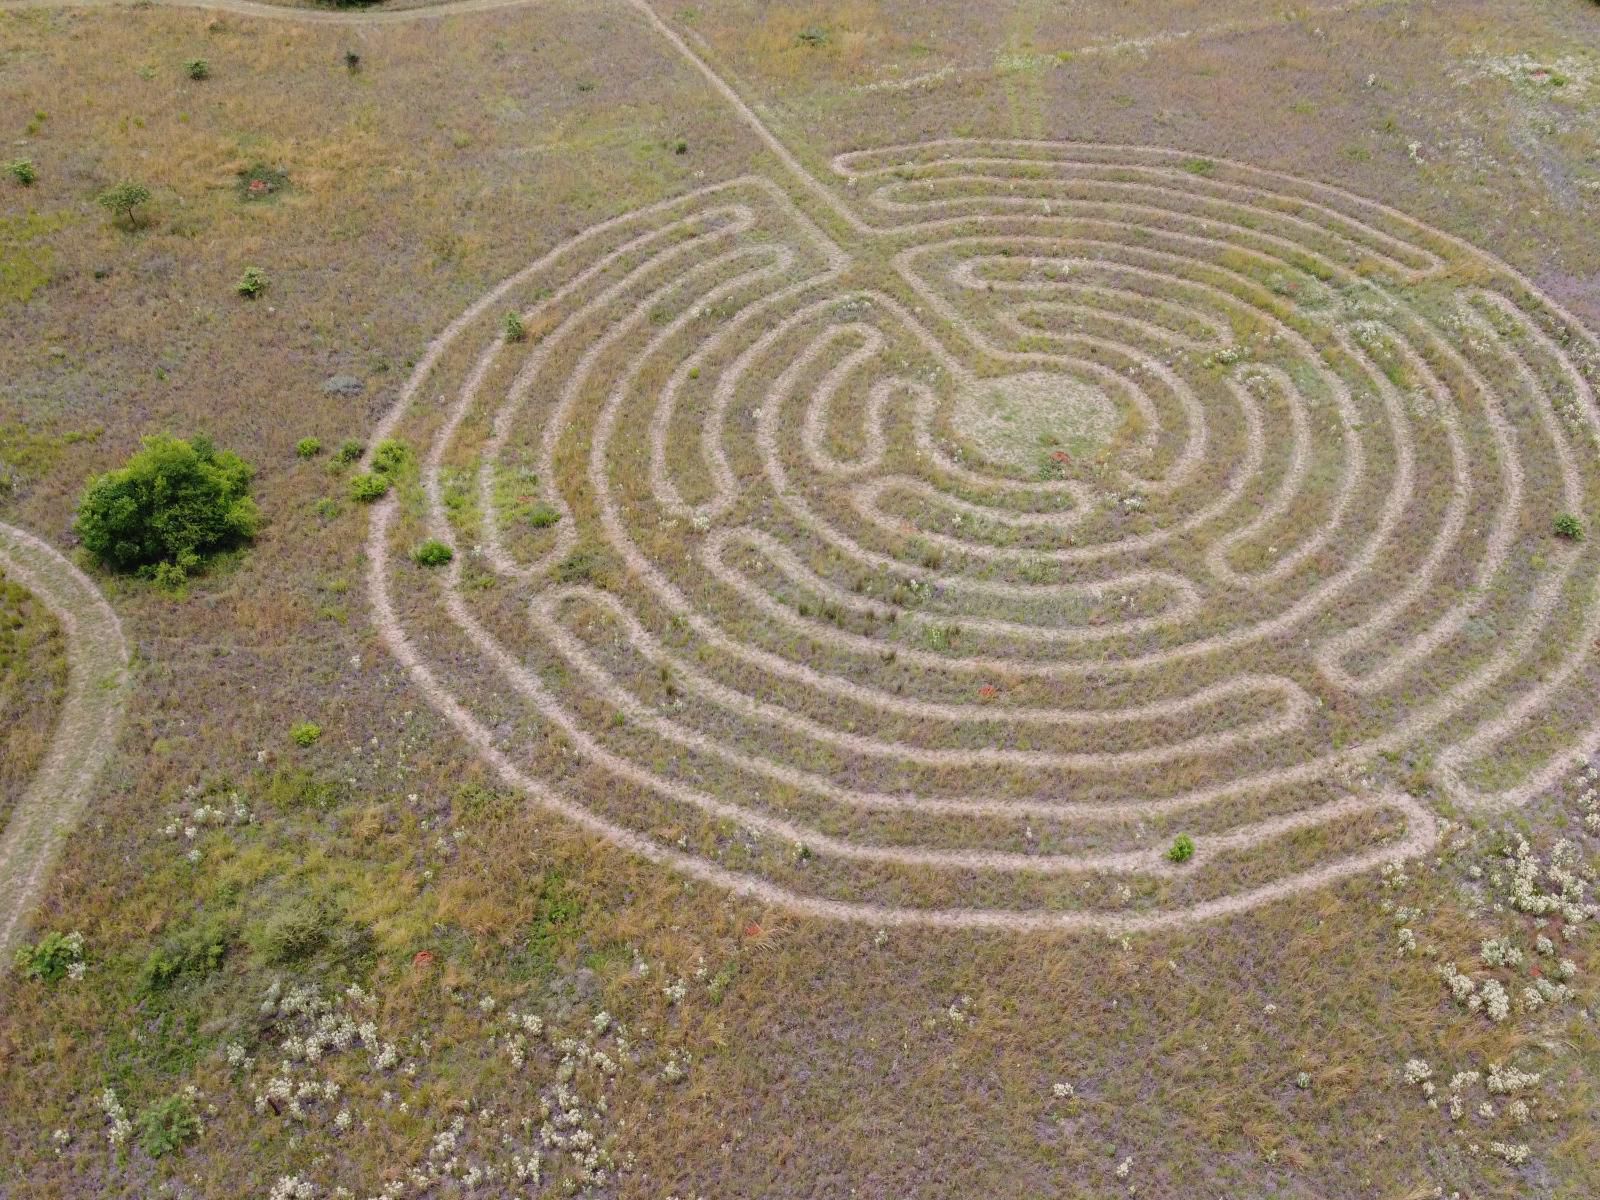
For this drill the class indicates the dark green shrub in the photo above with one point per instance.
(542, 516)
(51, 957)
(22, 170)
(195, 951)
(1182, 848)
(174, 502)
(516, 331)
(197, 69)
(306, 733)
(432, 553)
(349, 450)
(167, 1124)
(1569, 527)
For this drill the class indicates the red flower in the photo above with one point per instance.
(1060, 456)
(422, 960)
(988, 692)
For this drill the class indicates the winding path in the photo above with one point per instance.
(97, 680)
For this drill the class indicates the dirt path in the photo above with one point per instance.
(97, 679)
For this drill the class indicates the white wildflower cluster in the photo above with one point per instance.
(121, 1127)
(1500, 952)
(60, 1139)
(1417, 1071)
(292, 1187)
(1557, 887)
(1063, 1091)
(959, 1014)
(675, 992)
(201, 811)
(1513, 1155)
(1589, 801)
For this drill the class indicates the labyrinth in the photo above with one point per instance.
(939, 553)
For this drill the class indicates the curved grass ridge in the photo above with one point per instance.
(91, 716)
(1304, 557)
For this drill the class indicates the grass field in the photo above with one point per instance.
(907, 468)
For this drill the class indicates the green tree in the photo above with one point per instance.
(124, 198)
(173, 503)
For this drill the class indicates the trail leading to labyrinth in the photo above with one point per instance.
(97, 679)
(751, 581)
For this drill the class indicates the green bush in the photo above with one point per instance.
(432, 553)
(173, 503)
(1182, 848)
(197, 68)
(306, 733)
(390, 456)
(349, 450)
(252, 283)
(294, 933)
(22, 170)
(308, 447)
(543, 515)
(167, 1124)
(51, 957)
(368, 487)
(515, 330)
(1569, 527)
(124, 198)
(195, 951)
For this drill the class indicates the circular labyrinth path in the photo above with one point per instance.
(85, 734)
(1083, 496)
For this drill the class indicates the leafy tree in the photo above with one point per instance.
(174, 502)
(124, 198)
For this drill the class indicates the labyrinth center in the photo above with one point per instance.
(1077, 497)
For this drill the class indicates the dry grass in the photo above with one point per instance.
(822, 1056)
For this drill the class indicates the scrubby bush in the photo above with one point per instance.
(542, 516)
(175, 502)
(369, 486)
(51, 958)
(305, 733)
(197, 68)
(349, 450)
(432, 553)
(124, 198)
(390, 456)
(167, 1124)
(252, 283)
(1569, 527)
(1182, 848)
(516, 331)
(195, 951)
(308, 447)
(22, 170)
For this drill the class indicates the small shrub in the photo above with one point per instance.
(542, 515)
(167, 1124)
(432, 553)
(1182, 848)
(261, 182)
(1569, 527)
(294, 933)
(308, 447)
(812, 35)
(196, 951)
(252, 283)
(305, 733)
(124, 198)
(390, 456)
(197, 68)
(51, 957)
(1200, 166)
(516, 331)
(680, 146)
(369, 487)
(22, 170)
(174, 502)
(352, 61)
(348, 452)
